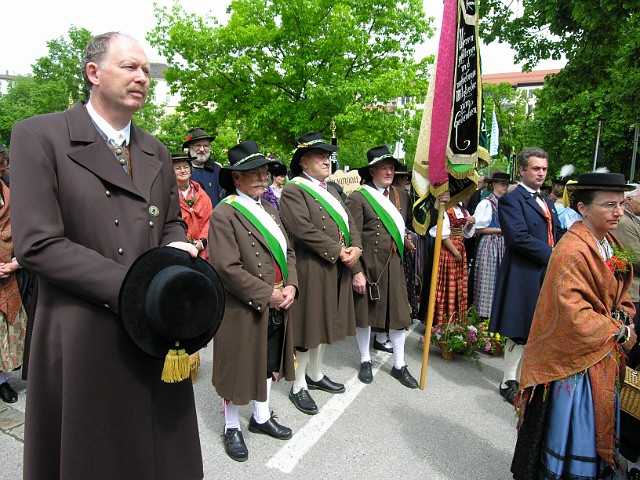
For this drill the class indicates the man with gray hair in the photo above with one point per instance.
(531, 229)
(91, 193)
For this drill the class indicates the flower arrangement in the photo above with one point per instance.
(489, 342)
(621, 259)
(457, 335)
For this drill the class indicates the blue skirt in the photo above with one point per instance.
(569, 444)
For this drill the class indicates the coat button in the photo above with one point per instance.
(376, 242)
(323, 217)
(121, 251)
(326, 254)
(257, 254)
(122, 161)
(249, 233)
(116, 222)
(151, 223)
(107, 193)
(378, 226)
(259, 309)
(259, 275)
(320, 208)
(324, 228)
(118, 151)
(259, 264)
(106, 305)
(253, 244)
(377, 234)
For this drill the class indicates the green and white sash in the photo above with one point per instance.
(267, 227)
(330, 204)
(388, 213)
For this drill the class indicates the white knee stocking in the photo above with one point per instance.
(397, 338)
(362, 336)
(512, 359)
(302, 360)
(261, 411)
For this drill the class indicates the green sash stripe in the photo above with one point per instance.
(332, 211)
(273, 243)
(388, 222)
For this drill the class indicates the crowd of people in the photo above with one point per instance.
(302, 266)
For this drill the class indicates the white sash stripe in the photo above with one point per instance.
(330, 199)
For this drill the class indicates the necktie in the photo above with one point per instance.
(545, 209)
(386, 192)
(323, 185)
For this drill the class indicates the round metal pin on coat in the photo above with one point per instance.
(154, 211)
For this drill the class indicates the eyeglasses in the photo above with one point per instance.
(200, 146)
(611, 205)
(182, 168)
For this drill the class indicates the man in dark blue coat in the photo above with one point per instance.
(531, 229)
(204, 169)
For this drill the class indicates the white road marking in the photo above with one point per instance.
(288, 456)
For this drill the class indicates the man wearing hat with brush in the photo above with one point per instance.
(327, 246)
(249, 249)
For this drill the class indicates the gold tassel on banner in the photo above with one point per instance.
(176, 366)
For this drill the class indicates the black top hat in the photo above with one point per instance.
(601, 181)
(197, 134)
(242, 157)
(499, 176)
(375, 156)
(307, 142)
(170, 300)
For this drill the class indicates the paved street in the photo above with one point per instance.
(457, 428)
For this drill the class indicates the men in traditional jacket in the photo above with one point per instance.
(91, 192)
(252, 256)
(204, 170)
(380, 214)
(327, 245)
(531, 229)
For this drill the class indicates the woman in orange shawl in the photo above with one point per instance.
(569, 405)
(195, 205)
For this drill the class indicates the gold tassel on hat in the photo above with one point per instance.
(176, 365)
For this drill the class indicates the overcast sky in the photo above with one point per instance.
(28, 25)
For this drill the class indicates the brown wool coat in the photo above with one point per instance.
(392, 310)
(97, 407)
(324, 311)
(244, 262)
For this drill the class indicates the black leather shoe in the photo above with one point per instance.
(509, 393)
(365, 375)
(325, 385)
(634, 474)
(303, 401)
(234, 445)
(404, 376)
(7, 393)
(271, 428)
(383, 347)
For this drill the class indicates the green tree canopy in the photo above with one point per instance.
(281, 68)
(601, 42)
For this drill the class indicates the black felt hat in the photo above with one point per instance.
(197, 134)
(402, 171)
(306, 143)
(375, 156)
(601, 181)
(277, 168)
(171, 302)
(181, 157)
(242, 157)
(499, 176)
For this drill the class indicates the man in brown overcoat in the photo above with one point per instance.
(380, 213)
(91, 193)
(257, 266)
(327, 245)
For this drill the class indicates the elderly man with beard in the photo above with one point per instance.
(204, 169)
(250, 252)
(380, 214)
(327, 245)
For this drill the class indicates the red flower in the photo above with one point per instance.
(617, 265)
(189, 137)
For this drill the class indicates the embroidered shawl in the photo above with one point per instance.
(573, 329)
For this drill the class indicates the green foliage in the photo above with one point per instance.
(63, 62)
(513, 120)
(281, 68)
(29, 96)
(601, 41)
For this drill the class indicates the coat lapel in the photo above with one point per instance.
(96, 156)
(531, 201)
